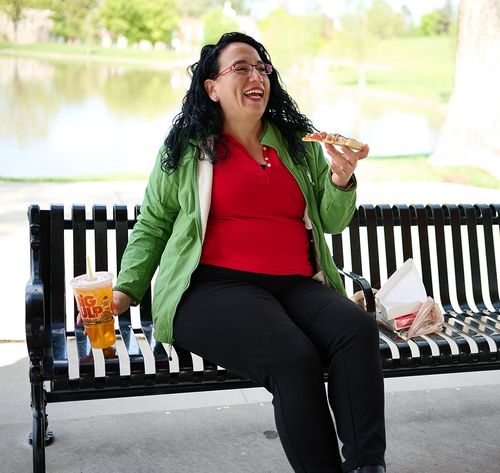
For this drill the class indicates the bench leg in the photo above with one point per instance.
(40, 436)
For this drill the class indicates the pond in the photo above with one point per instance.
(63, 119)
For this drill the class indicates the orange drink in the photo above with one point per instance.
(94, 296)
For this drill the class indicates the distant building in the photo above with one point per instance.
(35, 27)
(190, 35)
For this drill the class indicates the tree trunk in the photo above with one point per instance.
(471, 132)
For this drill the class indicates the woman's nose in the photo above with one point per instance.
(255, 73)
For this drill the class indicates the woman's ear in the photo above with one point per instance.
(210, 89)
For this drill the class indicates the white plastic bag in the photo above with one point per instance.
(429, 319)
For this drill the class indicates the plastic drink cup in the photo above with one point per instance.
(94, 297)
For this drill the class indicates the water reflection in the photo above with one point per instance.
(75, 119)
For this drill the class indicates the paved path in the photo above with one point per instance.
(435, 424)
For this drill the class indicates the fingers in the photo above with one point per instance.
(344, 162)
(363, 153)
(121, 302)
(353, 156)
(79, 321)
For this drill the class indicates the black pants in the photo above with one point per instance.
(278, 331)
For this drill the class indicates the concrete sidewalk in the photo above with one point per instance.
(435, 424)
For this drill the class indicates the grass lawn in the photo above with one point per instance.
(418, 169)
(88, 50)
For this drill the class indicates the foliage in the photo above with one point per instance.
(375, 21)
(382, 21)
(198, 8)
(73, 19)
(290, 38)
(152, 20)
(14, 10)
(215, 23)
(436, 22)
(366, 26)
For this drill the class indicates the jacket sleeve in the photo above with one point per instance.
(336, 205)
(150, 234)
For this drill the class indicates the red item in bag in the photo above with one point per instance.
(404, 321)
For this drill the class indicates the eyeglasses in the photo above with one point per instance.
(244, 69)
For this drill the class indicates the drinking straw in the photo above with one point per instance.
(90, 274)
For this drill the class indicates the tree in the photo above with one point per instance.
(14, 10)
(72, 18)
(152, 20)
(292, 39)
(382, 21)
(436, 22)
(215, 23)
(199, 7)
(472, 126)
(366, 25)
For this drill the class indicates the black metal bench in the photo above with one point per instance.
(455, 246)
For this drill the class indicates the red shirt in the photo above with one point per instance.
(256, 215)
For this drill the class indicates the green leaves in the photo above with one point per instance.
(151, 20)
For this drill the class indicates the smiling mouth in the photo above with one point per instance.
(254, 94)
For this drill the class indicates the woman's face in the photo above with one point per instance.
(240, 96)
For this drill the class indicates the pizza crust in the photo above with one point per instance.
(335, 139)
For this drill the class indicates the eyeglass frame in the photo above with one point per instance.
(232, 68)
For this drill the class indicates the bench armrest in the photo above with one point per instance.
(34, 293)
(364, 285)
(35, 320)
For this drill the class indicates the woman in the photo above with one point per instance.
(225, 218)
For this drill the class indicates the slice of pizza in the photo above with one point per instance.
(333, 138)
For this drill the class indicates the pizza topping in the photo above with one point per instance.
(333, 138)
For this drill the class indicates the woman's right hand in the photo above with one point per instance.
(121, 302)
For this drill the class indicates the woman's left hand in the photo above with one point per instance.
(344, 162)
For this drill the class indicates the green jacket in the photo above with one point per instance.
(170, 229)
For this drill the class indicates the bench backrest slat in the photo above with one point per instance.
(405, 220)
(79, 233)
(370, 216)
(455, 219)
(424, 250)
(472, 219)
(57, 266)
(385, 212)
(486, 212)
(100, 221)
(441, 253)
(120, 217)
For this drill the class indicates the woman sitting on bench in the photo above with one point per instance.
(234, 216)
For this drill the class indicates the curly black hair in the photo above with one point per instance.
(201, 118)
